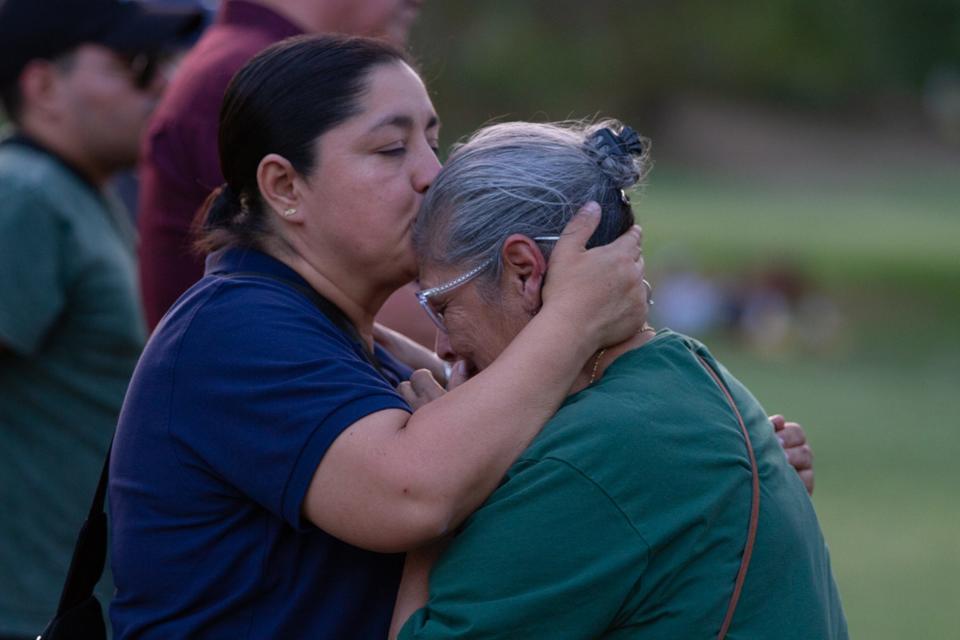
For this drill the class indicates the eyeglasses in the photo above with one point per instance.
(423, 297)
(143, 69)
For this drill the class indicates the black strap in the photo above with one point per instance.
(90, 550)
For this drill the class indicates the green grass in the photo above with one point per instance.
(883, 413)
(906, 232)
(887, 448)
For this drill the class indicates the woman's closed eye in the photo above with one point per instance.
(398, 149)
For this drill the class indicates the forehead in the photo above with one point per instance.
(394, 96)
(432, 275)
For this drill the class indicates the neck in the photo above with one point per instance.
(596, 365)
(358, 300)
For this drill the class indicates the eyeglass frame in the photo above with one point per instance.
(423, 297)
(140, 69)
(144, 67)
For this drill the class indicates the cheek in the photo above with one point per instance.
(489, 337)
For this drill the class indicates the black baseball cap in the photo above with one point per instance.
(31, 29)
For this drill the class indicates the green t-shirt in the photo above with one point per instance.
(71, 329)
(627, 516)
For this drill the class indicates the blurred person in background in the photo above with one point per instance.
(627, 515)
(180, 166)
(78, 81)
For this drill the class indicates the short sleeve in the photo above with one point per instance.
(263, 385)
(548, 556)
(32, 284)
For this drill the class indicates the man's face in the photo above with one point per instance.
(103, 106)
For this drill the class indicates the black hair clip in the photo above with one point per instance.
(627, 143)
(631, 142)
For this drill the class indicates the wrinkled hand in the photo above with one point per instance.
(798, 452)
(601, 289)
(420, 389)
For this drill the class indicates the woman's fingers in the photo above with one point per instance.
(794, 442)
(792, 435)
(579, 229)
(600, 290)
(631, 241)
(777, 421)
(807, 478)
(421, 389)
(800, 458)
(424, 384)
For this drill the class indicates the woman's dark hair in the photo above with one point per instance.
(281, 102)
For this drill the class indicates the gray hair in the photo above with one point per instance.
(526, 178)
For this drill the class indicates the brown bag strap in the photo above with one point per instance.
(754, 505)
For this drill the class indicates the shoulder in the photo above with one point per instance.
(633, 389)
(633, 416)
(36, 190)
(252, 317)
(28, 173)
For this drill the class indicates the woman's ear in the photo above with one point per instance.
(277, 181)
(524, 269)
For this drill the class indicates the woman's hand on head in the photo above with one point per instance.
(600, 289)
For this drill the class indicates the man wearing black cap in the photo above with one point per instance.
(78, 80)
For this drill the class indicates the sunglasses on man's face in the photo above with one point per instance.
(143, 69)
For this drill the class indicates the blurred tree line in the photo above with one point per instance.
(560, 58)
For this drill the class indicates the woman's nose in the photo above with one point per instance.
(426, 171)
(444, 351)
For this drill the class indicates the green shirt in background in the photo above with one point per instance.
(71, 329)
(627, 516)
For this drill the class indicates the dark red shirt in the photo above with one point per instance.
(180, 166)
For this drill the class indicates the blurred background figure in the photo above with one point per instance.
(180, 166)
(78, 81)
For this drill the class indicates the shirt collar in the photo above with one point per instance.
(247, 260)
(23, 140)
(255, 15)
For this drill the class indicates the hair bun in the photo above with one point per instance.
(620, 156)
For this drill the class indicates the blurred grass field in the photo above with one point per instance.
(882, 411)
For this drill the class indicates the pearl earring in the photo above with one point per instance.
(289, 212)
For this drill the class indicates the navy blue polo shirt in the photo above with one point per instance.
(239, 393)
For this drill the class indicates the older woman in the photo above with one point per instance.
(657, 502)
(265, 471)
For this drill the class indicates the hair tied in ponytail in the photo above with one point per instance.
(231, 197)
(219, 210)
